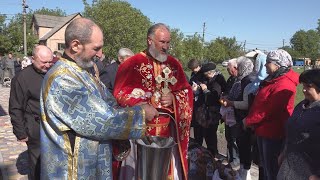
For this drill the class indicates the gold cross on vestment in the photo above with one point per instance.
(166, 71)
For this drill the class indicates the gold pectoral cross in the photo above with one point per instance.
(166, 71)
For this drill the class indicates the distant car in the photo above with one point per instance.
(225, 63)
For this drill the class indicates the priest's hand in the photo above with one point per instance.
(166, 99)
(150, 111)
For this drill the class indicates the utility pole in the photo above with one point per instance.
(203, 31)
(282, 43)
(244, 45)
(24, 13)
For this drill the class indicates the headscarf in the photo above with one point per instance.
(245, 67)
(261, 73)
(280, 57)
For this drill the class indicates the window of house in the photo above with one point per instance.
(61, 46)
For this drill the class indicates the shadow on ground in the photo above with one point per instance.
(2, 111)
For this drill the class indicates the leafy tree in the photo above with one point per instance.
(306, 43)
(2, 22)
(176, 45)
(46, 11)
(5, 43)
(14, 30)
(122, 25)
(216, 51)
(192, 48)
(318, 28)
(233, 49)
(294, 54)
(223, 48)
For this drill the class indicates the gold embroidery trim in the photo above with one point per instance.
(48, 85)
(127, 128)
(171, 176)
(52, 77)
(71, 63)
(158, 131)
(44, 117)
(158, 125)
(144, 125)
(175, 106)
(67, 147)
(76, 157)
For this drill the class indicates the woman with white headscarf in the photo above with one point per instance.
(271, 108)
(239, 140)
(243, 104)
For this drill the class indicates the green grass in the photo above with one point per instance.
(299, 96)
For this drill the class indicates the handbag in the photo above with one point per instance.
(202, 116)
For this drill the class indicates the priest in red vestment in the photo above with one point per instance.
(154, 77)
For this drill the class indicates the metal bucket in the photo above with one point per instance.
(154, 159)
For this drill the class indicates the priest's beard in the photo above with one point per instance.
(84, 62)
(157, 54)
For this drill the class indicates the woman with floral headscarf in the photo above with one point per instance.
(271, 108)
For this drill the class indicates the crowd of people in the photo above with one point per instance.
(256, 107)
(10, 66)
(77, 113)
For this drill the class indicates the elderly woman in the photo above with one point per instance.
(211, 88)
(271, 108)
(249, 86)
(302, 147)
(237, 138)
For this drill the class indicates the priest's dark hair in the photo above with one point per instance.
(80, 29)
(153, 28)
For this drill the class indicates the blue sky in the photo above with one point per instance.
(261, 24)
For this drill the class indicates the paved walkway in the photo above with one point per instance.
(13, 154)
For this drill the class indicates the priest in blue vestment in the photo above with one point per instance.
(80, 117)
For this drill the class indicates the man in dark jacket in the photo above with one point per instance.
(24, 105)
(9, 62)
(111, 69)
(195, 79)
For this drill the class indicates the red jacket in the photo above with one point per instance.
(273, 105)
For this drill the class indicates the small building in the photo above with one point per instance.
(50, 29)
(298, 63)
(302, 62)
